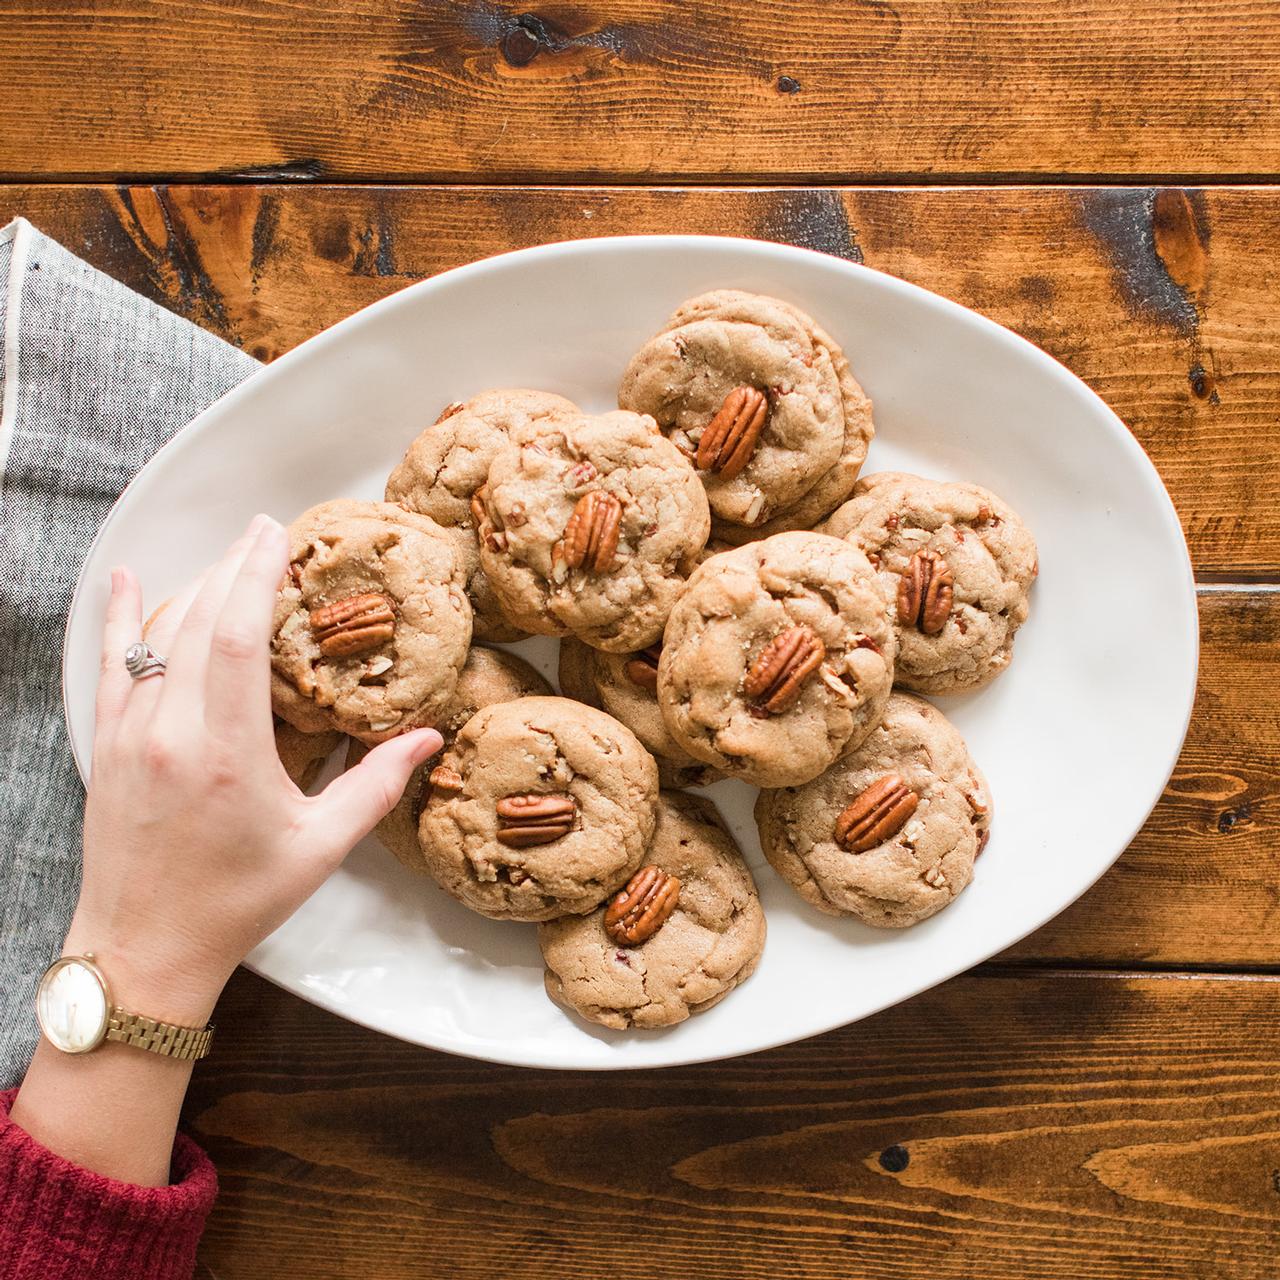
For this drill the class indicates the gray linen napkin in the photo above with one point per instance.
(94, 379)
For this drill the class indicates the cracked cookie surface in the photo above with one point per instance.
(449, 461)
(917, 868)
(551, 748)
(818, 425)
(735, 607)
(490, 676)
(991, 563)
(710, 944)
(604, 680)
(340, 551)
(640, 516)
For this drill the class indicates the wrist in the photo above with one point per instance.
(149, 978)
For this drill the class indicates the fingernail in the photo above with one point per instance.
(117, 581)
(427, 745)
(255, 526)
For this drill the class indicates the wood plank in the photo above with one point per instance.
(1164, 301)
(1087, 1127)
(639, 88)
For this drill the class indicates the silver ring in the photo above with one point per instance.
(141, 661)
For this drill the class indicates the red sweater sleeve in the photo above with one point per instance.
(61, 1222)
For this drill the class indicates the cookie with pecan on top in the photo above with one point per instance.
(708, 942)
(888, 834)
(956, 564)
(372, 623)
(590, 526)
(541, 808)
(777, 658)
(762, 400)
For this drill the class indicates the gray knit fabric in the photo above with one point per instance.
(102, 378)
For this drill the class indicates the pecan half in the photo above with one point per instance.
(477, 505)
(877, 815)
(590, 538)
(444, 780)
(526, 820)
(354, 625)
(642, 908)
(642, 668)
(925, 593)
(730, 438)
(454, 406)
(775, 678)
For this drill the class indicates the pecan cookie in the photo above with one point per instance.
(372, 623)
(590, 526)
(626, 686)
(541, 808)
(889, 833)
(449, 461)
(777, 658)
(956, 564)
(709, 940)
(490, 676)
(763, 402)
(303, 754)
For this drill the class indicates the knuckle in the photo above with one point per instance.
(160, 755)
(235, 643)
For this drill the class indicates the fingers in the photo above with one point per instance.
(188, 656)
(349, 807)
(159, 631)
(122, 627)
(238, 679)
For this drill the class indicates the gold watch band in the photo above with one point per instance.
(158, 1037)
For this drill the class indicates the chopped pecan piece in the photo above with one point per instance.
(642, 908)
(444, 780)
(877, 815)
(925, 593)
(354, 625)
(642, 668)
(525, 820)
(774, 680)
(730, 438)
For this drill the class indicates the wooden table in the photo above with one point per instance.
(1102, 1100)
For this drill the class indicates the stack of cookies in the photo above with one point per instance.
(731, 602)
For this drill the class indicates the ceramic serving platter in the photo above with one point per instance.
(1077, 738)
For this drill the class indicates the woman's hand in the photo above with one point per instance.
(196, 844)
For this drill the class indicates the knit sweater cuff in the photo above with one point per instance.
(58, 1220)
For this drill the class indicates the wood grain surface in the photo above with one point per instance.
(1180, 288)
(1007, 1124)
(639, 90)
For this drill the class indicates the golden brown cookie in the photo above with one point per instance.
(541, 808)
(888, 834)
(777, 658)
(709, 943)
(956, 564)
(591, 526)
(372, 623)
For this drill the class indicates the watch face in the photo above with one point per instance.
(71, 1005)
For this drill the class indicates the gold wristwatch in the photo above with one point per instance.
(75, 1012)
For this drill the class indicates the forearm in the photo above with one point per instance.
(114, 1111)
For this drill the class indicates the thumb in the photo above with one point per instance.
(350, 806)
